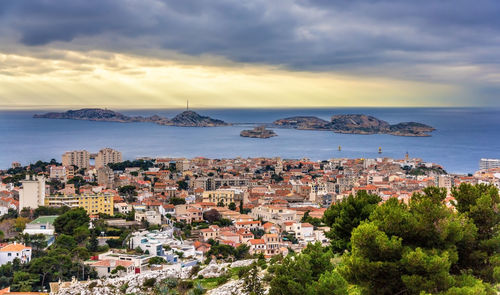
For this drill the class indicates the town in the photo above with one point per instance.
(97, 216)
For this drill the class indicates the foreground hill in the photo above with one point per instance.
(355, 124)
(184, 119)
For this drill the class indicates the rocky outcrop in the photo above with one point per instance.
(193, 119)
(184, 119)
(303, 123)
(356, 124)
(411, 129)
(129, 284)
(258, 132)
(134, 283)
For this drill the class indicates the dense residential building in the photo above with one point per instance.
(81, 159)
(489, 163)
(105, 177)
(32, 193)
(223, 197)
(106, 156)
(93, 203)
(58, 172)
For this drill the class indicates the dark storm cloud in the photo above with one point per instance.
(312, 34)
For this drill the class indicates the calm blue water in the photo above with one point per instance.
(463, 136)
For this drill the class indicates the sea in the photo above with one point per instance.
(463, 136)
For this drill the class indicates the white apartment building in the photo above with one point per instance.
(489, 163)
(32, 193)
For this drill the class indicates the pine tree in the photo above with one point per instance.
(252, 284)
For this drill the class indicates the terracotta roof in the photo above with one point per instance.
(256, 241)
(14, 248)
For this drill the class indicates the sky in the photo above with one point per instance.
(241, 53)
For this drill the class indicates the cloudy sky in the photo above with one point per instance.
(240, 53)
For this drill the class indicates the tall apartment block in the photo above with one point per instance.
(106, 156)
(489, 163)
(81, 159)
(32, 193)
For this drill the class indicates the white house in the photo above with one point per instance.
(104, 268)
(12, 251)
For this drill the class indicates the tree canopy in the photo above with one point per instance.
(68, 222)
(415, 248)
(346, 215)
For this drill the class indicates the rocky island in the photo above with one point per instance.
(258, 132)
(185, 119)
(355, 124)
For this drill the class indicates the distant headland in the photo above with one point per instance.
(349, 123)
(185, 119)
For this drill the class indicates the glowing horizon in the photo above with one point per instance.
(226, 54)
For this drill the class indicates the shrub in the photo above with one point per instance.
(194, 270)
(148, 283)
(92, 285)
(185, 285)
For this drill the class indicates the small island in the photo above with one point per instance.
(258, 132)
(185, 119)
(355, 124)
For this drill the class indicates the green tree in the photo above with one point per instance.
(68, 222)
(20, 223)
(241, 251)
(129, 191)
(411, 249)
(232, 206)
(329, 283)
(480, 203)
(182, 185)
(43, 266)
(65, 242)
(345, 216)
(23, 281)
(291, 276)
(177, 201)
(252, 284)
(93, 243)
(156, 260)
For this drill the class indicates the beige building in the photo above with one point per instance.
(105, 177)
(32, 193)
(58, 172)
(81, 159)
(224, 196)
(106, 156)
